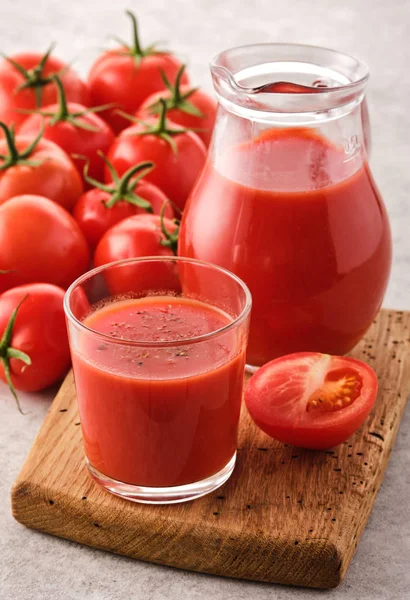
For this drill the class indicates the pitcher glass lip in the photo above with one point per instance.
(331, 78)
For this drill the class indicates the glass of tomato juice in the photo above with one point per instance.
(158, 346)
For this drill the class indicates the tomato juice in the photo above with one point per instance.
(304, 226)
(165, 413)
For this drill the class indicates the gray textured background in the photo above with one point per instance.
(35, 566)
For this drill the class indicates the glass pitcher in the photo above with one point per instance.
(286, 199)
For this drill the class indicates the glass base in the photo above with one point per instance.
(164, 495)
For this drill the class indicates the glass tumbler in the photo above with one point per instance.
(158, 348)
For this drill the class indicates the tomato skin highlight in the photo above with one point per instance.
(55, 177)
(40, 332)
(11, 100)
(175, 172)
(54, 250)
(72, 139)
(202, 101)
(95, 219)
(277, 397)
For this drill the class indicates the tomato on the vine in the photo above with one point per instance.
(127, 75)
(39, 241)
(26, 83)
(139, 236)
(187, 106)
(34, 351)
(310, 399)
(104, 206)
(37, 166)
(178, 154)
(76, 129)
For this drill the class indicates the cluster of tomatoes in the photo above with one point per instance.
(90, 172)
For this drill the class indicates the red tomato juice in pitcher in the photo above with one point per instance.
(158, 416)
(305, 229)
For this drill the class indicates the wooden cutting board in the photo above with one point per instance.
(286, 515)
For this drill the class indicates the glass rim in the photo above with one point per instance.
(158, 344)
(216, 63)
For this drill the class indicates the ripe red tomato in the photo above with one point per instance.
(139, 236)
(37, 166)
(187, 106)
(311, 400)
(127, 75)
(39, 241)
(26, 83)
(178, 154)
(76, 129)
(104, 206)
(34, 347)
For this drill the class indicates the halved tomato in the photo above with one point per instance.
(310, 399)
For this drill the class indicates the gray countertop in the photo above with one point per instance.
(34, 566)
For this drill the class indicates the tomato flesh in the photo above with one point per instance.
(340, 388)
(310, 399)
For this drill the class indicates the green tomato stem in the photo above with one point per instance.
(122, 188)
(143, 168)
(177, 100)
(171, 239)
(7, 352)
(34, 78)
(14, 157)
(136, 46)
(63, 113)
(161, 129)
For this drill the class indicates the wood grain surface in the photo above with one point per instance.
(286, 515)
